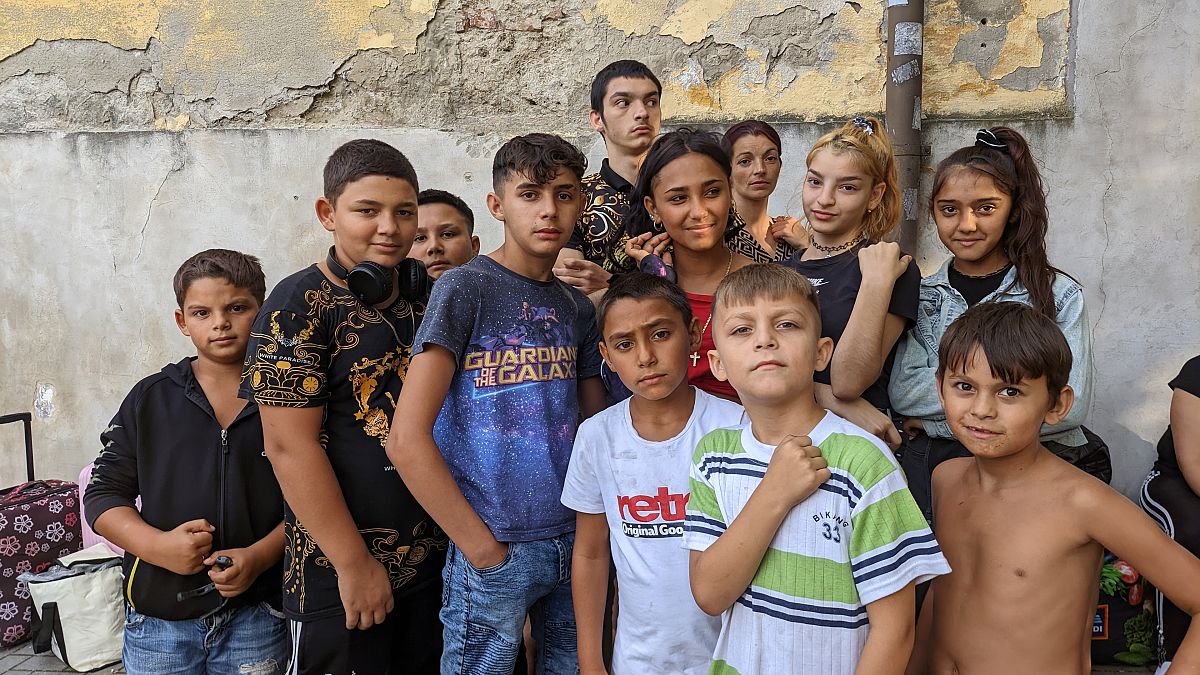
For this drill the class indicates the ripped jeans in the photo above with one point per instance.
(484, 611)
(245, 640)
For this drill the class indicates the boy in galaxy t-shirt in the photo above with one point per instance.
(505, 361)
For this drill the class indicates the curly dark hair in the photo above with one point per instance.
(538, 157)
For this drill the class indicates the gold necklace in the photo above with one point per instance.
(695, 356)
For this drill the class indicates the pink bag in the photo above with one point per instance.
(90, 538)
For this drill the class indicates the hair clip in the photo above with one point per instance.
(862, 123)
(986, 139)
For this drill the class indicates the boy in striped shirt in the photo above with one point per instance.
(804, 536)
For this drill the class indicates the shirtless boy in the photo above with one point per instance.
(1023, 530)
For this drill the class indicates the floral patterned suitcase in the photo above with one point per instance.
(39, 523)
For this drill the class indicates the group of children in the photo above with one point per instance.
(626, 396)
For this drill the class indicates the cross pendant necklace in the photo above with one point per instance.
(695, 356)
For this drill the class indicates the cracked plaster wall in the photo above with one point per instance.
(213, 149)
(479, 65)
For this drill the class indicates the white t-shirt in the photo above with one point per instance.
(642, 488)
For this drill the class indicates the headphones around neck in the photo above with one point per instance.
(371, 282)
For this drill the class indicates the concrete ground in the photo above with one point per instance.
(23, 660)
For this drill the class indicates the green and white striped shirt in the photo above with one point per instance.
(858, 538)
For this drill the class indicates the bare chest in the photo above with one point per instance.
(1012, 544)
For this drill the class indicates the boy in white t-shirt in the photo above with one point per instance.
(804, 536)
(628, 481)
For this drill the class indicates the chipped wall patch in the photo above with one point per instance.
(473, 66)
(43, 400)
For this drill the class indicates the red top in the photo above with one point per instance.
(698, 371)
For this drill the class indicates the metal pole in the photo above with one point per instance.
(902, 106)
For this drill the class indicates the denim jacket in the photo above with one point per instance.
(913, 385)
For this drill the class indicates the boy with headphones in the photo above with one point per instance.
(326, 361)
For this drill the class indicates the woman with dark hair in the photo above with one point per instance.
(756, 156)
(684, 186)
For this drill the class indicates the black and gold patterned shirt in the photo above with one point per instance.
(739, 240)
(314, 344)
(600, 231)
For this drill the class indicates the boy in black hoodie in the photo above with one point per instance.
(202, 561)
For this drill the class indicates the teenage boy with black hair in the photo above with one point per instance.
(325, 368)
(508, 355)
(209, 525)
(1024, 530)
(628, 483)
(625, 97)
(445, 232)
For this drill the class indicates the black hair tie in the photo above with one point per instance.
(986, 139)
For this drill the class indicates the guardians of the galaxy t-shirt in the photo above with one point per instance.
(509, 420)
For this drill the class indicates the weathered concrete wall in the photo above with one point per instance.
(141, 132)
(481, 65)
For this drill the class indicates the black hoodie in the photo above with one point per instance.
(165, 445)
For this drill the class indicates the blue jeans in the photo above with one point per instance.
(484, 611)
(248, 639)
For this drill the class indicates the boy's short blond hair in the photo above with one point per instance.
(765, 280)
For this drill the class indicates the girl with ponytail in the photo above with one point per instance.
(867, 288)
(989, 205)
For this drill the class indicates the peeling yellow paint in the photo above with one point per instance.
(1022, 47)
(128, 24)
(242, 56)
(691, 21)
(238, 53)
(850, 82)
(175, 123)
(631, 17)
(955, 88)
(371, 39)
